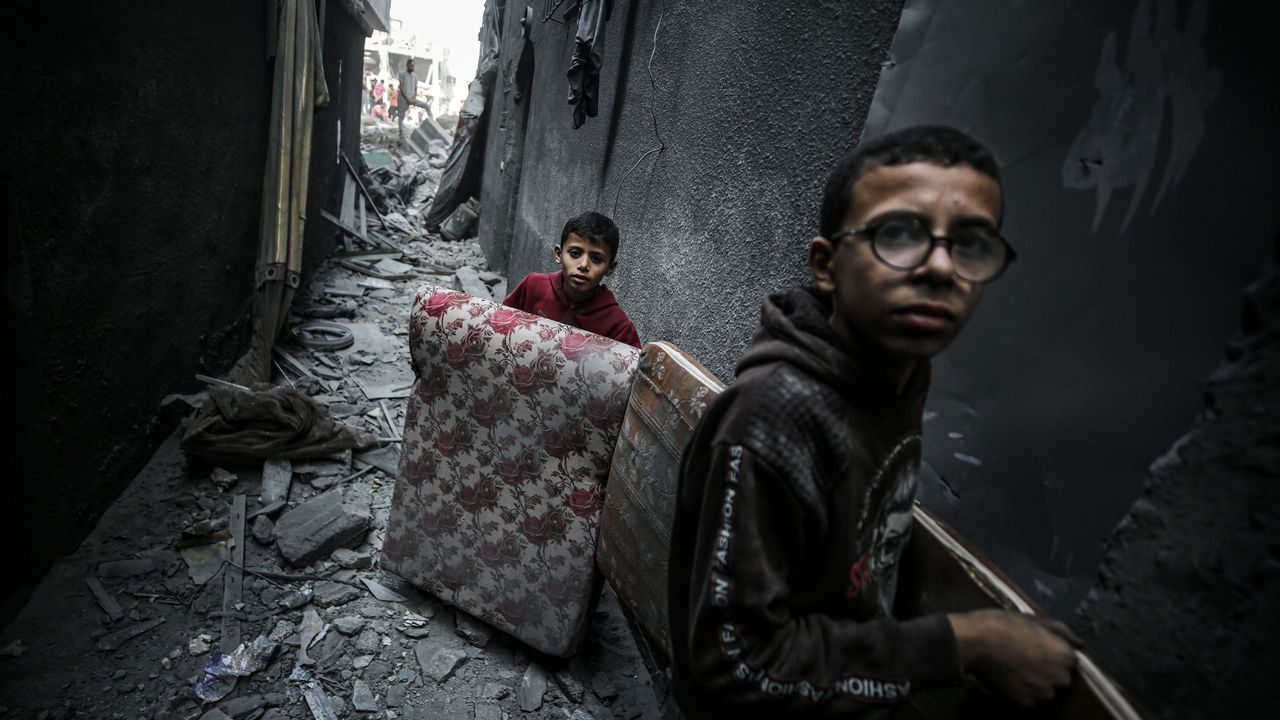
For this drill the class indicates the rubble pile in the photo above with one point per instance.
(253, 591)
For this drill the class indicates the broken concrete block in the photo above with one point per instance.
(215, 714)
(263, 529)
(471, 283)
(321, 525)
(369, 642)
(277, 475)
(494, 691)
(488, 712)
(533, 685)
(570, 685)
(362, 697)
(224, 479)
(438, 661)
(416, 632)
(395, 694)
(330, 594)
(349, 624)
(474, 631)
(352, 560)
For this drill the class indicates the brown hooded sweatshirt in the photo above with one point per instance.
(793, 510)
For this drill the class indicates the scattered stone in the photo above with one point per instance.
(277, 473)
(395, 695)
(377, 670)
(369, 642)
(349, 624)
(274, 714)
(263, 529)
(362, 698)
(370, 611)
(295, 599)
(438, 661)
(382, 592)
(324, 482)
(476, 632)
(407, 674)
(339, 706)
(215, 714)
(580, 714)
(242, 706)
(494, 691)
(321, 525)
(281, 631)
(199, 644)
(361, 662)
(330, 594)
(416, 632)
(352, 560)
(570, 685)
(224, 479)
(471, 284)
(488, 712)
(533, 685)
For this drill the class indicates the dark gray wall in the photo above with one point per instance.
(1189, 594)
(1086, 360)
(132, 177)
(754, 102)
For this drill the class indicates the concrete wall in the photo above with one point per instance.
(754, 102)
(132, 179)
(1187, 606)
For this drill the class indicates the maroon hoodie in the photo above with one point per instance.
(543, 294)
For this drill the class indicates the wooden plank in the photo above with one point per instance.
(233, 582)
(104, 598)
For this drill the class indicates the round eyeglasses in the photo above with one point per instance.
(903, 242)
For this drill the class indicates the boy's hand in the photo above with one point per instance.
(1020, 656)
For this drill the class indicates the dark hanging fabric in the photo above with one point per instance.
(584, 66)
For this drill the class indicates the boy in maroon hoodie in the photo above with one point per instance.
(587, 254)
(795, 491)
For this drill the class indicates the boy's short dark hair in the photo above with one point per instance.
(596, 228)
(934, 144)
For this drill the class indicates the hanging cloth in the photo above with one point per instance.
(584, 66)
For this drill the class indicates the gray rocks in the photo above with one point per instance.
(476, 632)
(533, 685)
(395, 694)
(329, 594)
(263, 529)
(438, 661)
(242, 706)
(321, 525)
(362, 698)
(369, 642)
(352, 560)
(349, 624)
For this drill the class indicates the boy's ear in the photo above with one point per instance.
(557, 251)
(821, 254)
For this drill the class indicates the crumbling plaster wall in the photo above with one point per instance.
(723, 213)
(132, 180)
(1187, 606)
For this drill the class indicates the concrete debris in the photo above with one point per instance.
(352, 560)
(349, 624)
(277, 473)
(369, 642)
(263, 530)
(331, 594)
(215, 714)
(282, 630)
(603, 688)
(310, 629)
(437, 660)
(362, 697)
(494, 691)
(224, 479)
(361, 662)
(105, 599)
(321, 525)
(395, 694)
(488, 712)
(533, 685)
(242, 706)
(474, 631)
(470, 283)
(120, 637)
(199, 644)
(382, 592)
(295, 599)
(570, 685)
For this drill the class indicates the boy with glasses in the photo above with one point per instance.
(795, 491)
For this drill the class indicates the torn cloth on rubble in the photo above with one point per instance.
(266, 422)
(584, 65)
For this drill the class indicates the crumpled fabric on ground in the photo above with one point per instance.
(267, 422)
(584, 65)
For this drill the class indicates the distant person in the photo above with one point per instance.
(409, 93)
(795, 492)
(587, 254)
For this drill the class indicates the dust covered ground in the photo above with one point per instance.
(159, 551)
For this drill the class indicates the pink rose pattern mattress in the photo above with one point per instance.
(508, 439)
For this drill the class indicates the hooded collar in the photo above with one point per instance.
(602, 299)
(794, 329)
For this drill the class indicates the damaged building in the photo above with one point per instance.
(1105, 431)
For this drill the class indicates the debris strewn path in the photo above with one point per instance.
(133, 623)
